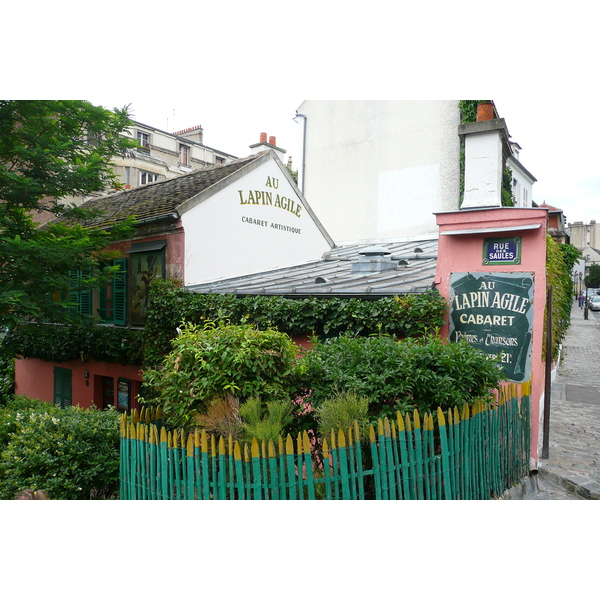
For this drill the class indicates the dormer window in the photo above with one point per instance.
(144, 139)
(184, 155)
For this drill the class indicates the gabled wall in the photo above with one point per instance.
(255, 222)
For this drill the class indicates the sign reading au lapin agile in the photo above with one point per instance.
(494, 312)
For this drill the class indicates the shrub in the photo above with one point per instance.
(222, 418)
(71, 453)
(341, 411)
(7, 373)
(265, 425)
(399, 375)
(210, 362)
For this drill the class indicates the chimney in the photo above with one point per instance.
(270, 145)
(373, 259)
(485, 111)
(486, 148)
(194, 134)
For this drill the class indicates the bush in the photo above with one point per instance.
(7, 373)
(71, 453)
(399, 375)
(341, 411)
(170, 305)
(219, 359)
(265, 425)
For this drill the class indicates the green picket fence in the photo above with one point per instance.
(476, 454)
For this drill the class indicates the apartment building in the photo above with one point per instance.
(163, 155)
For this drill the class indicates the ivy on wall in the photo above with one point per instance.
(63, 343)
(170, 306)
(560, 260)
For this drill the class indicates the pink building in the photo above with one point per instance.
(492, 269)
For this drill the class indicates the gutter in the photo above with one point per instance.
(303, 148)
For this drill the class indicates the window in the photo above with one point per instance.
(127, 175)
(94, 138)
(184, 155)
(108, 392)
(144, 139)
(109, 303)
(146, 177)
(124, 395)
(62, 387)
(145, 267)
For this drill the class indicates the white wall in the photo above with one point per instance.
(483, 170)
(523, 188)
(379, 169)
(239, 230)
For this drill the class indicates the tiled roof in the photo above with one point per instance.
(333, 275)
(162, 198)
(550, 208)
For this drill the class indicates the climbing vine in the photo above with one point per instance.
(560, 259)
(170, 305)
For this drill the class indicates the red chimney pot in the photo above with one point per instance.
(263, 138)
(272, 141)
(485, 111)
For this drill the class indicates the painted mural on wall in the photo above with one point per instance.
(494, 313)
(145, 268)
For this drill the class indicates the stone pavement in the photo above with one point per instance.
(572, 470)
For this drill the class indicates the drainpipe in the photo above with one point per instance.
(303, 148)
(548, 378)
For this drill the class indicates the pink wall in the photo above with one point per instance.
(35, 378)
(462, 253)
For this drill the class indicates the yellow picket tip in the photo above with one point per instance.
(441, 419)
(254, 448)
(306, 442)
(289, 445)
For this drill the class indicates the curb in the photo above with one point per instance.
(590, 490)
(527, 488)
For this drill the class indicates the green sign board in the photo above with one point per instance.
(494, 312)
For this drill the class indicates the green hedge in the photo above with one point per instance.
(403, 316)
(62, 343)
(71, 453)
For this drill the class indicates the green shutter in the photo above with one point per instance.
(62, 387)
(120, 292)
(81, 300)
(74, 277)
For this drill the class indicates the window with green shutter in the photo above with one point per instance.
(81, 300)
(109, 303)
(62, 387)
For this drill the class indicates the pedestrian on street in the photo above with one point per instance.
(581, 300)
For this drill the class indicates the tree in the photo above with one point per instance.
(593, 279)
(51, 151)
